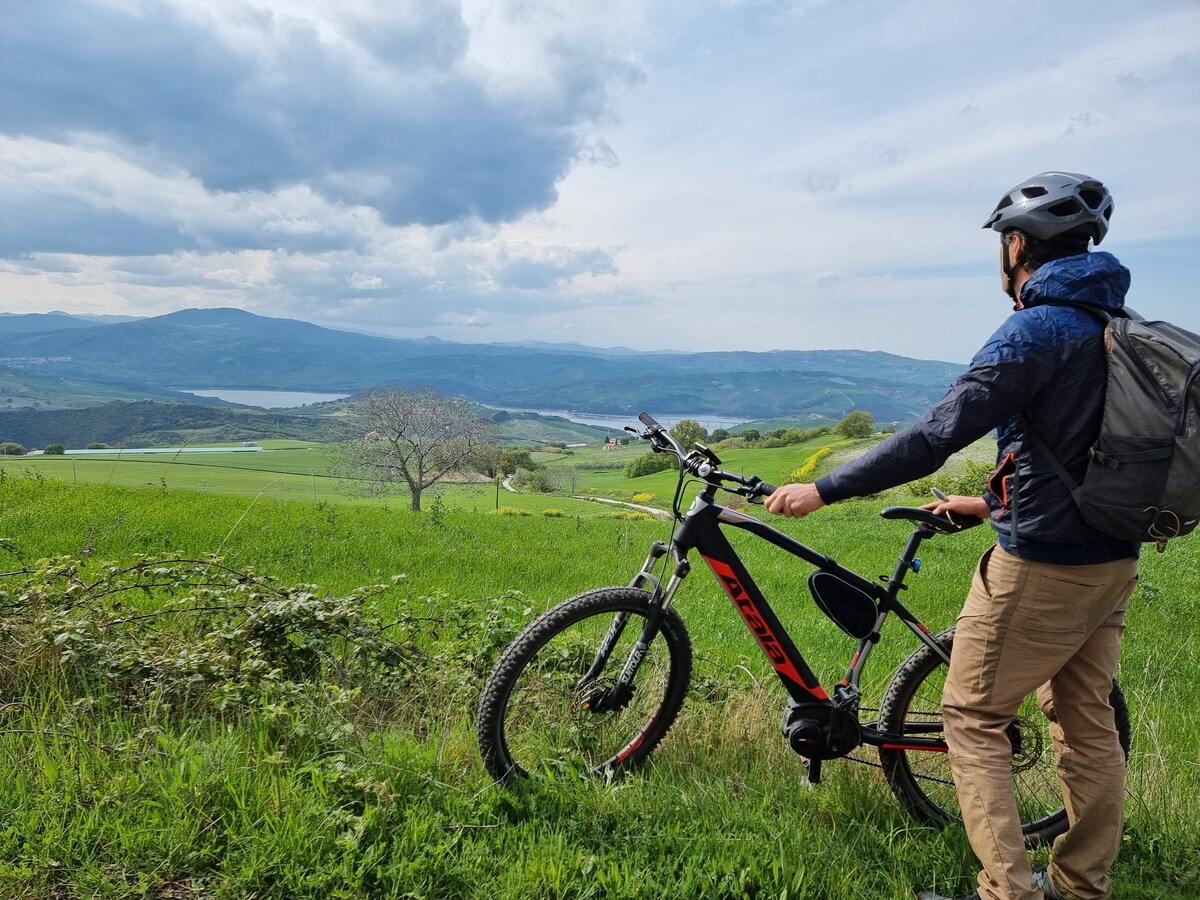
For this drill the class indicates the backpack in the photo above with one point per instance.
(1143, 476)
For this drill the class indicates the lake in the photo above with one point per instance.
(710, 422)
(287, 399)
(265, 399)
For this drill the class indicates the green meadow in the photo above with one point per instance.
(213, 686)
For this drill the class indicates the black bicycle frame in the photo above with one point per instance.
(700, 530)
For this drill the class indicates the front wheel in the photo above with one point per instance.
(553, 706)
(921, 778)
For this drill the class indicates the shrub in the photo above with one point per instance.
(219, 640)
(971, 482)
(54, 450)
(509, 511)
(643, 497)
(808, 468)
(553, 513)
(632, 516)
(11, 448)
(650, 463)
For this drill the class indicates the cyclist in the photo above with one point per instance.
(1046, 607)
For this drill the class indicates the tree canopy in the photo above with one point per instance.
(857, 424)
(689, 432)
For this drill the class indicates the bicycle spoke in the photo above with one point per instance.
(555, 708)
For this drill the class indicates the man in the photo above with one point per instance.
(1046, 608)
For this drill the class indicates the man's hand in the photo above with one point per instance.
(956, 506)
(794, 500)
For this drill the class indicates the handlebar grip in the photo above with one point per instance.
(764, 489)
(648, 420)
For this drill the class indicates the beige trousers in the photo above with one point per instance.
(1055, 629)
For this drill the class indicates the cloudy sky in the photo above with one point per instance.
(688, 174)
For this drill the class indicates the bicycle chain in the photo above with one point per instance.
(867, 762)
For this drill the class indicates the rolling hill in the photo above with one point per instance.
(231, 348)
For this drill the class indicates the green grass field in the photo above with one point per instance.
(354, 783)
(298, 470)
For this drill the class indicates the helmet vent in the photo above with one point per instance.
(1091, 197)
(1034, 191)
(1064, 209)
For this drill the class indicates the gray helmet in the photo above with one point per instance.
(1049, 205)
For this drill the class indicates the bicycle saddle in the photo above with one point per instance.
(942, 524)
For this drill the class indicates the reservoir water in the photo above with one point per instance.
(288, 399)
(265, 399)
(709, 421)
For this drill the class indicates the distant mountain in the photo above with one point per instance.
(572, 347)
(231, 348)
(34, 323)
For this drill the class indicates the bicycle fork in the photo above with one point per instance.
(660, 601)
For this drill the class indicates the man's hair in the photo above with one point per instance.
(1038, 252)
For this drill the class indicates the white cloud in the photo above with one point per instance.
(362, 282)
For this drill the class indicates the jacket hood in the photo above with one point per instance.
(1097, 279)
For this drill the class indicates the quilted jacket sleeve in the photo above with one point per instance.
(1006, 373)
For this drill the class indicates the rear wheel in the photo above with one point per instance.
(549, 709)
(922, 780)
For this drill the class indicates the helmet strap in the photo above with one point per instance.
(1010, 266)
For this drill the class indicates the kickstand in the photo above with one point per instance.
(813, 768)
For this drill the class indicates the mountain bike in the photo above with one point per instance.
(592, 686)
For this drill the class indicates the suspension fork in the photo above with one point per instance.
(660, 602)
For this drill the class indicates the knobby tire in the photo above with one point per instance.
(533, 718)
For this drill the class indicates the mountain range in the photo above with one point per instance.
(231, 348)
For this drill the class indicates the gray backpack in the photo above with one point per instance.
(1143, 477)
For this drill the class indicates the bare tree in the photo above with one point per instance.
(413, 437)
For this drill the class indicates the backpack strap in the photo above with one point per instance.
(1044, 449)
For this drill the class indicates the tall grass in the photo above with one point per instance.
(378, 792)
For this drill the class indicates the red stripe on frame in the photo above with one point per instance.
(762, 633)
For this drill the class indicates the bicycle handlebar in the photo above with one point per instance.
(704, 464)
(701, 462)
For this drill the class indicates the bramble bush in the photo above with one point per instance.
(198, 636)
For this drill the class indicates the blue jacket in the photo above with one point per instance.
(1045, 366)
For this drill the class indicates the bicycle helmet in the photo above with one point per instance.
(1049, 205)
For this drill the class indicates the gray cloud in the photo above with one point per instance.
(386, 115)
(66, 224)
(554, 268)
